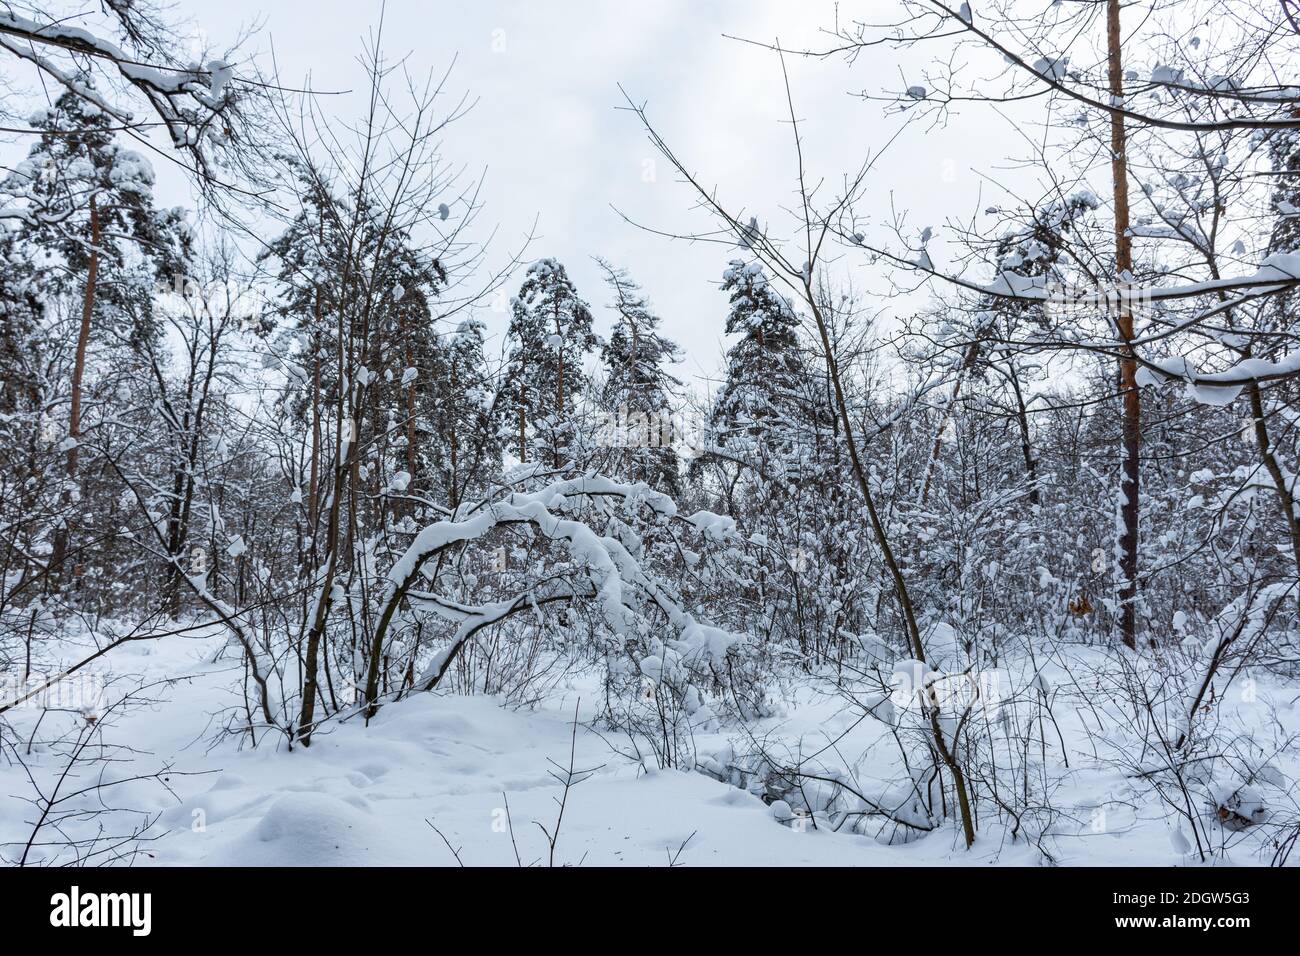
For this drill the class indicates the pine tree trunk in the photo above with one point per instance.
(60, 549)
(83, 339)
(559, 394)
(1132, 430)
(453, 489)
(313, 480)
(411, 434)
(313, 484)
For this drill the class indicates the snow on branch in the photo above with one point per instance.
(1052, 71)
(196, 103)
(615, 576)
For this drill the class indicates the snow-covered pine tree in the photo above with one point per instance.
(76, 178)
(401, 335)
(462, 447)
(305, 261)
(22, 307)
(638, 392)
(550, 335)
(347, 307)
(758, 404)
(86, 214)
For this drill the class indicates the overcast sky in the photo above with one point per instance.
(556, 148)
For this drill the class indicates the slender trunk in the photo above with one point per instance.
(78, 373)
(1026, 443)
(307, 715)
(1132, 430)
(313, 480)
(933, 462)
(559, 391)
(453, 488)
(940, 740)
(83, 339)
(187, 456)
(353, 405)
(344, 436)
(175, 536)
(411, 433)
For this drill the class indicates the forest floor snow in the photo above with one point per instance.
(373, 795)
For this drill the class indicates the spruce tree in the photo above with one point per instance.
(550, 335)
(759, 399)
(638, 391)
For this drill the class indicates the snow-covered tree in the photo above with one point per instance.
(549, 338)
(638, 395)
(462, 445)
(755, 408)
(128, 57)
(84, 210)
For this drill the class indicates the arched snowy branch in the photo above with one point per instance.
(616, 577)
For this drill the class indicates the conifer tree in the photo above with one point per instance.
(87, 217)
(638, 391)
(759, 397)
(550, 336)
(462, 447)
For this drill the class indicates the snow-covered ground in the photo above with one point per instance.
(373, 795)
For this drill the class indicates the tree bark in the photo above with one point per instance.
(83, 339)
(61, 538)
(559, 391)
(453, 486)
(313, 479)
(1132, 421)
(411, 433)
